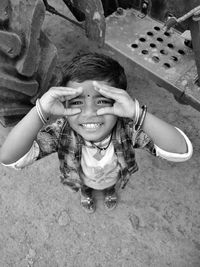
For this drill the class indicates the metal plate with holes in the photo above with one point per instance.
(164, 56)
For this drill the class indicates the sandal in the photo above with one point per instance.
(87, 203)
(110, 200)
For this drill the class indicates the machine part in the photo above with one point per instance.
(79, 15)
(95, 24)
(145, 4)
(90, 13)
(52, 10)
(5, 13)
(28, 59)
(161, 55)
(171, 22)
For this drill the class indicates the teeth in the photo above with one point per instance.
(91, 125)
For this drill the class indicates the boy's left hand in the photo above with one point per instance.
(124, 105)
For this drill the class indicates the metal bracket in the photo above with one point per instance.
(144, 7)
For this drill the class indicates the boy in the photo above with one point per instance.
(100, 127)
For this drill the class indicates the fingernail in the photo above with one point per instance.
(96, 87)
(98, 112)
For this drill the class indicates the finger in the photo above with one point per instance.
(61, 88)
(66, 94)
(113, 94)
(65, 90)
(108, 88)
(106, 110)
(110, 95)
(71, 111)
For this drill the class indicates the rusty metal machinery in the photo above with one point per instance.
(28, 59)
(142, 33)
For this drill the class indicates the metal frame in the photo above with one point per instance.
(162, 55)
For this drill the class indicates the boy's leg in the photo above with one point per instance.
(110, 198)
(87, 200)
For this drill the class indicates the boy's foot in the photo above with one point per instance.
(110, 200)
(87, 201)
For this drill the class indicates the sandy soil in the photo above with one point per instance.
(157, 221)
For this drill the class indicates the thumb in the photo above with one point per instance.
(106, 110)
(71, 111)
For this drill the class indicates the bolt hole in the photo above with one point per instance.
(170, 46)
(157, 28)
(134, 45)
(142, 39)
(150, 33)
(159, 39)
(166, 65)
(188, 43)
(174, 58)
(163, 52)
(180, 51)
(167, 34)
(155, 59)
(119, 11)
(152, 45)
(145, 52)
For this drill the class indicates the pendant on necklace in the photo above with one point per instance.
(99, 155)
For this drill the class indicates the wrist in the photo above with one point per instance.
(44, 117)
(136, 112)
(143, 112)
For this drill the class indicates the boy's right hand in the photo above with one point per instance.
(54, 101)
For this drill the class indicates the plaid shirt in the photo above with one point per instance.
(59, 137)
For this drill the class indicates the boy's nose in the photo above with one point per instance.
(89, 110)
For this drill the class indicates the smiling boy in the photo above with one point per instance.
(99, 126)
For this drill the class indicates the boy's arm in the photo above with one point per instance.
(162, 133)
(21, 137)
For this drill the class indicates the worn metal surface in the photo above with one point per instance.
(27, 58)
(160, 9)
(95, 25)
(164, 56)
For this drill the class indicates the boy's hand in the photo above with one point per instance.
(54, 101)
(124, 105)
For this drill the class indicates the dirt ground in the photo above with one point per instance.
(157, 221)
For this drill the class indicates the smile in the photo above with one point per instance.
(91, 125)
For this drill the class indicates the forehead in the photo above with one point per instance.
(88, 87)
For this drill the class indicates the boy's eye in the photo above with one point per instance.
(75, 103)
(105, 101)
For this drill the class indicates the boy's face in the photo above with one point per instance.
(88, 124)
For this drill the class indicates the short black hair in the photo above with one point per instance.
(94, 66)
